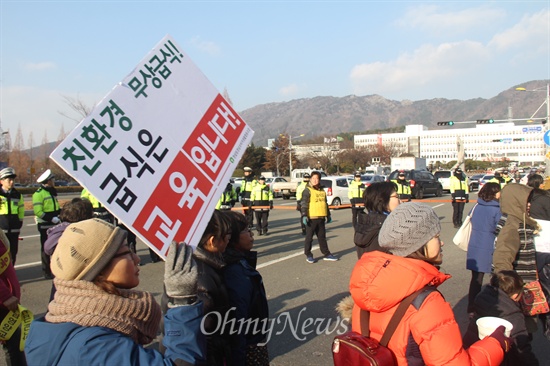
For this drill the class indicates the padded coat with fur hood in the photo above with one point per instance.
(380, 281)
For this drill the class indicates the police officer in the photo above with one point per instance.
(12, 210)
(46, 210)
(314, 214)
(99, 210)
(355, 195)
(228, 198)
(403, 187)
(458, 184)
(262, 195)
(246, 190)
(506, 177)
(299, 192)
(498, 179)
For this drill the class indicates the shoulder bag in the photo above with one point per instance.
(352, 348)
(462, 236)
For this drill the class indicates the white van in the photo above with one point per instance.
(337, 189)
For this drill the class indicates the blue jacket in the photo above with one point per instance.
(247, 294)
(72, 344)
(482, 240)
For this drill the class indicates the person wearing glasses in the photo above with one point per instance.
(403, 187)
(380, 199)
(98, 318)
(247, 294)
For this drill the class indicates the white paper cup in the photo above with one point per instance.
(487, 325)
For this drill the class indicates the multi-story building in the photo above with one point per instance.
(489, 142)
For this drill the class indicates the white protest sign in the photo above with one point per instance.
(542, 239)
(159, 149)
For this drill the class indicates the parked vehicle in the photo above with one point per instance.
(288, 189)
(336, 188)
(271, 180)
(444, 177)
(422, 183)
(485, 179)
(474, 181)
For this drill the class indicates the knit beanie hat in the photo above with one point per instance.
(408, 228)
(85, 248)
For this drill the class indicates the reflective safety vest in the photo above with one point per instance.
(403, 190)
(460, 188)
(85, 194)
(300, 190)
(500, 181)
(317, 203)
(12, 210)
(246, 188)
(355, 192)
(45, 206)
(227, 200)
(262, 195)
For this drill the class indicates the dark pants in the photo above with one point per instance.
(248, 213)
(154, 256)
(475, 288)
(261, 220)
(14, 245)
(46, 271)
(317, 227)
(13, 356)
(354, 215)
(458, 211)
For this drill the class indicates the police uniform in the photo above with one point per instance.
(12, 210)
(228, 198)
(403, 188)
(314, 214)
(299, 193)
(247, 185)
(458, 184)
(46, 212)
(355, 195)
(499, 179)
(99, 210)
(261, 195)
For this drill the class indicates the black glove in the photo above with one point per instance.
(271, 205)
(505, 342)
(180, 275)
(453, 195)
(298, 206)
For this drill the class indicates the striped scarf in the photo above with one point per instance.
(525, 263)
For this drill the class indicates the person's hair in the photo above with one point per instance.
(535, 180)
(508, 281)
(422, 254)
(238, 222)
(315, 172)
(107, 286)
(489, 191)
(218, 227)
(377, 196)
(75, 210)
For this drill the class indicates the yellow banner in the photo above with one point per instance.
(22, 316)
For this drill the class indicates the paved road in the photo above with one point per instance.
(296, 290)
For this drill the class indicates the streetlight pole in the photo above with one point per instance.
(545, 129)
(290, 152)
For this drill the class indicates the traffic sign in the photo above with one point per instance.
(547, 137)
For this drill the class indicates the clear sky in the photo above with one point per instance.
(267, 51)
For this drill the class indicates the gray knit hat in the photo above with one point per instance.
(85, 248)
(408, 228)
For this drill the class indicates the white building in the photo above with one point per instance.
(488, 142)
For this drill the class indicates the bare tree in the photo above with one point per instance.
(76, 105)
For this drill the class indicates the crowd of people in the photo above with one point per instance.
(96, 315)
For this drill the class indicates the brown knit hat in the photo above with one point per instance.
(85, 248)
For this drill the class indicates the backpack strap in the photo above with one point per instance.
(395, 319)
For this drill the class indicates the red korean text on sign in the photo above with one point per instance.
(181, 198)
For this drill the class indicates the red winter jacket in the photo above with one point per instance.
(380, 281)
